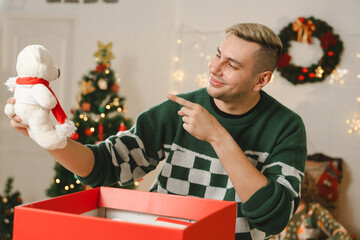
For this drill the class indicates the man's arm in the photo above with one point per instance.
(245, 178)
(75, 157)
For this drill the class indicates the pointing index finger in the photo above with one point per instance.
(180, 101)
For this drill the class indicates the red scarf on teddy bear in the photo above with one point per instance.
(57, 111)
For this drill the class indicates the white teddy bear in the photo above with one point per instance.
(34, 98)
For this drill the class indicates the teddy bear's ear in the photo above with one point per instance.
(47, 68)
(36, 61)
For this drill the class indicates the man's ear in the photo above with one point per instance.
(262, 79)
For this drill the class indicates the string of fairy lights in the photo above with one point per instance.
(72, 186)
(354, 124)
(194, 50)
(66, 187)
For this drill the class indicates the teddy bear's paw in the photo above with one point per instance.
(9, 110)
(50, 141)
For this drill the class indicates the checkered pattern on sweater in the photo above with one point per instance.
(192, 174)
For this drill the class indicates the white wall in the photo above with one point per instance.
(143, 34)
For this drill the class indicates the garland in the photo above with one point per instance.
(302, 30)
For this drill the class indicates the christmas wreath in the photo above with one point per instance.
(302, 30)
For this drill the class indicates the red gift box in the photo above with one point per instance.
(113, 213)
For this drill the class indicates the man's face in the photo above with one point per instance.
(231, 76)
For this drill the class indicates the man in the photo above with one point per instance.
(230, 141)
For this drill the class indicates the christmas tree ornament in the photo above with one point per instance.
(102, 83)
(303, 30)
(100, 68)
(101, 132)
(104, 52)
(35, 98)
(7, 212)
(122, 127)
(101, 109)
(114, 88)
(86, 87)
(75, 136)
(86, 106)
(89, 131)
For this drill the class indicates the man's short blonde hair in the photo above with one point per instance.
(267, 56)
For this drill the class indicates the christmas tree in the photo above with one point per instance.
(100, 114)
(7, 204)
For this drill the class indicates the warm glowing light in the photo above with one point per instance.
(57, 180)
(319, 72)
(119, 109)
(202, 80)
(179, 76)
(72, 186)
(86, 118)
(176, 59)
(92, 129)
(107, 107)
(354, 124)
(178, 41)
(196, 45)
(77, 181)
(66, 188)
(337, 75)
(102, 115)
(107, 71)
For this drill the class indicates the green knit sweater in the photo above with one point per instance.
(272, 137)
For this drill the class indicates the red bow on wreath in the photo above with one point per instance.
(304, 29)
